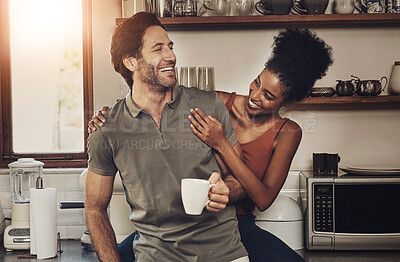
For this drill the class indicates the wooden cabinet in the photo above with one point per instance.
(279, 21)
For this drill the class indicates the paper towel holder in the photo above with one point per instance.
(39, 183)
(26, 254)
(31, 256)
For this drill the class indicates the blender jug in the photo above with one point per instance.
(24, 173)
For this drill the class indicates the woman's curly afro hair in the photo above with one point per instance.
(299, 58)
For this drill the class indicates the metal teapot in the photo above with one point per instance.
(369, 87)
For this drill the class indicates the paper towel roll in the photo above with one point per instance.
(43, 211)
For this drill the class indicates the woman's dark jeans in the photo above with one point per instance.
(263, 246)
(125, 249)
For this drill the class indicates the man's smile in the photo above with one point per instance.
(167, 69)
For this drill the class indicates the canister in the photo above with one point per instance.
(394, 82)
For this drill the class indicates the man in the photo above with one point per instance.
(148, 139)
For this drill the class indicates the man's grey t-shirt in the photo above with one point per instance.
(152, 161)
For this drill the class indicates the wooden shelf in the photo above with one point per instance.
(350, 100)
(279, 21)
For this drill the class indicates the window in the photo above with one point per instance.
(46, 80)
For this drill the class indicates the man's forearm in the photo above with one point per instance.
(236, 191)
(102, 235)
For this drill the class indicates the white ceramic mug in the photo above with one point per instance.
(194, 194)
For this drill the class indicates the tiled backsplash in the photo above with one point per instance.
(291, 186)
(71, 222)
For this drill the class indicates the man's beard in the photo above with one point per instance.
(148, 74)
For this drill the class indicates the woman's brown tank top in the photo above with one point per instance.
(257, 154)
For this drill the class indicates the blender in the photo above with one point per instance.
(23, 175)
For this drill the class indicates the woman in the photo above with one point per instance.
(269, 142)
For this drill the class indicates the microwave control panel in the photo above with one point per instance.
(323, 207)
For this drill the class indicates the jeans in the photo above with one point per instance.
(261, 245)
(125, 249)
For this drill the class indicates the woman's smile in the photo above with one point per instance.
(253, 105)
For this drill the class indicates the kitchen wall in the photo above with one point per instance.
(361, 134)
(71, 222)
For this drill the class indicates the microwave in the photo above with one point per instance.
(348, 212)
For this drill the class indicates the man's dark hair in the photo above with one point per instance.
(127, 41)
(299, 57)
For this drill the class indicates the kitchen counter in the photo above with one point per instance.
(350, 256)
(73, 251)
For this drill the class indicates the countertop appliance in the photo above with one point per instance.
(23, 175)
(351, 212)
(283, 219)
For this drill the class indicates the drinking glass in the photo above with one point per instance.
(188, 76)
(206, 78)
(176, 76)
